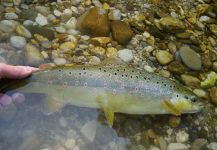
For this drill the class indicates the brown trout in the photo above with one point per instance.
(112, 89)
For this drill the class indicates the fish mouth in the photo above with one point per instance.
(196, 107)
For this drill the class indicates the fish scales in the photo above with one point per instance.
(112, 89)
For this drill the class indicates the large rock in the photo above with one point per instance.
(94, 22)
(172, 25)
(32, 55)
(121, 32)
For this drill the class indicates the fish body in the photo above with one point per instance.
(112, 89)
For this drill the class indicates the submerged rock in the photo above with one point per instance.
(7, 26)
(18, 42)
(172, 25)
(177, 146)
(121, 32)
(125, 54)
(164, 57)
(46, 32)
(213, 95)
(89, 130)
(94, 22)
(176, 67)
(32, 55)
(190, 58)
(190, 81)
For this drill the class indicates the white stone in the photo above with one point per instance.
(177, 146)
(94, 60)
(7, 26)
(72, 32)
(28, 23)
(75, 2)
(85, 37)
(149, 48)
(204, 18)
(11, 16)
(57, 13)
(60, 29)
(182, 137)
(148, 68)
(18, 42)
(43, 10)
(125, 55)
(60, 61)
(89, 130)
(51, 17)
(115, 14)
(74, 10)
(212, 146)
(17, 2)
(69, 143)
(146, 34)
(153, 148)
(41, 20)
(71, 23)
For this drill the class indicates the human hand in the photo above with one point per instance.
(13, 72)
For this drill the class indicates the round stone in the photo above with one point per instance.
(18, 42)
(182, 137)
(7, 26)
(60, 61)
(60, 29)
(164, 57)
(18, 98)
(11, 16)
(98, 50)
(115, 14)
(68, 46)
(69, 143)
(5, 100)
(22, 31)
(125, 55)
(111, 52)
(41, 20)
(190, 58)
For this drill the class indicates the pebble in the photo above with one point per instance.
(126, 55)
(11, 16)
(22, 31)
(111, 52)
(212, 146)
(148, 68)
(100, 41)
(201, 93)
(171, 24)
(18, 98)
(99, 51)
(60, 29)
(18, 42)
(89, 130)
(176, 67)
(28, 22)
(60, 61)
(32, 55)
(190, 81)
(199, 144)
(75, 2)
(68, 46)
(5, 100)
(181, 137)
(190, 58)
(71, 23)
(57, 13)
(69, 144)
(94, 60)
(41, 20)
(115, 14)
(213, 95)
(213, 29)
(43, 10)
(7, 26)
(164, 57)
(177, 146)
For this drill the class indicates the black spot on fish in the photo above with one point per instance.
(70, 72)
(83, 68)
(100, 68)
(115, 73)
(104, 70)
(59, 70)
(79, 73)
(157, 82)
(165, 85)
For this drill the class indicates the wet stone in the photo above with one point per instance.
(174, 121)
(121, 32)
(190, 81)
(176, 67)
(89, 130)
(11, 16)
(190, 58)
(213, 95)
(60, 61)
(41, 20)
(99, 51)
(28, 14)
(213, 29)
(182, 137)
(164, 57)
(22, 31)
(32, 55)
(126, 55)
(94, 22)
(18, 42)
(201, 93)
(177, 146)
(199, 144)
(171, 24)
(7, 26)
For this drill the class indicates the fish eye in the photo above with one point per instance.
(194, 99)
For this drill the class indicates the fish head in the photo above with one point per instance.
(186, 101)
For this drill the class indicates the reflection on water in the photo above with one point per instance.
(25, 127)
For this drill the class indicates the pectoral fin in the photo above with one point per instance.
(170, 107)
(107, 108)
(52, 104)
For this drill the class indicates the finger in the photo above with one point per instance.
(15, 72)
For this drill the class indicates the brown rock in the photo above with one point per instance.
(121, 32)
(190, 81)
(94, 22)
(213, 95)
(176, 67)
